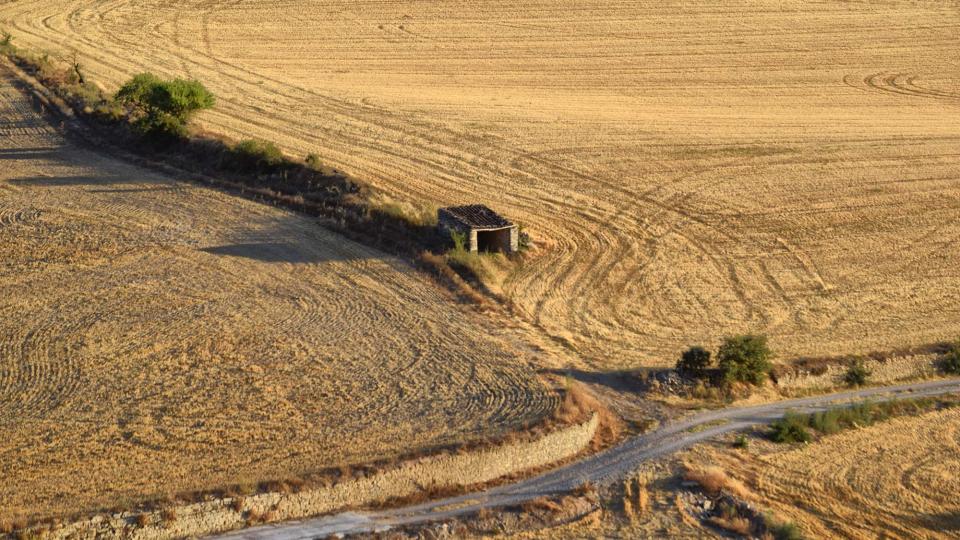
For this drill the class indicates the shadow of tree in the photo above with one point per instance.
(622, 380)
(66, 181)
(283, 252)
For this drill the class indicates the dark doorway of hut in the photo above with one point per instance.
(498, 240)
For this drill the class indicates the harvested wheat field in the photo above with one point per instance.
(896, 479)
(157, 337)
(688, 169)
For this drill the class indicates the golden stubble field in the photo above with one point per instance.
(895, 479)
(157, 337)
(690, 169)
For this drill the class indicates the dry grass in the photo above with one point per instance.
(715, 480)
(147, 321)
(894, 479)
(737, 525)
(579, 404)
(438, 265)
(636, 497)
(585, 489)
(541, 505)
(897, 478)
(681, 188)
(168, 515)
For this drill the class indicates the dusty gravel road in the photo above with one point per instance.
(600, 469)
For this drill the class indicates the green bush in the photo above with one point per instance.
(741, 441)
(826, 422)
(950, 363)
(459, 240)
(523, 239)
(745, 358)
(790, 429)
(694, 361)
(6, 41)
(857, 374)
(846, 417)
(163, 107)
(256, 155)
(313, 161)
(785, 531)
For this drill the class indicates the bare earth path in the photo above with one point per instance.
(602, 468)
(691, 169)
(157, 337)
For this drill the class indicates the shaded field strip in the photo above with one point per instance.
(603, 468)
(344, 204)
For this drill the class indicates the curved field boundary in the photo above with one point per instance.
(410, 478)
(602, 468)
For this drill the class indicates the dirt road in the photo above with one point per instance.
(599, 469)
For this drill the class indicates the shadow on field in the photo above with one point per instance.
(140, 190)
(67, 181)
(622, 380)
(44, 152)
(283, 252)
(947, 521)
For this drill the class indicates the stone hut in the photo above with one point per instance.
(484, 229)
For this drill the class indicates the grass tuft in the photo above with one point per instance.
(714, 481)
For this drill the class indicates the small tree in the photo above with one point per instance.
(745, 358)
(694, 361)
(257, 155)
(164, 107)
(857, 374)
(950, 363)
(790, 429)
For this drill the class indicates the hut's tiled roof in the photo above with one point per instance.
(477, 216)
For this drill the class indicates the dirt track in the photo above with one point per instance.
(157, 337)
(611, 465)
(691, 170)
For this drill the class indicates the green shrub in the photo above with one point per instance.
(845, 417)
(826, 422)
(459, 240)
(950, 363)
(857, 374)
(313, 161)
(256, 155)
(787, 530)
(741, 441)
(163, 107)
(745, 358)
(694, 361)
(790, 429)
(6, 41)
(523, 239)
